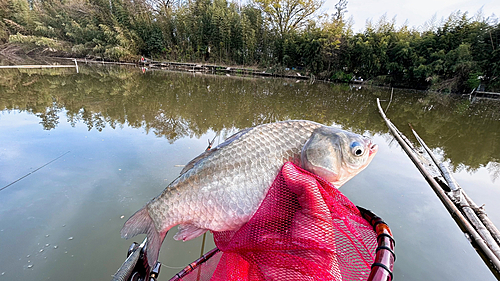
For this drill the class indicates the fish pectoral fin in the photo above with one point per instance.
(188, 232)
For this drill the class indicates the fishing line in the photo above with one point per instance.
(34, 171)
(172, 267)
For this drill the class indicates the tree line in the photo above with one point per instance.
(455, 55)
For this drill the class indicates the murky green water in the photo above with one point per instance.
(123, 135)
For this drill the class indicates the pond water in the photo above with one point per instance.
(80, 153)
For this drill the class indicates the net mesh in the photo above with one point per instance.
(305, 229)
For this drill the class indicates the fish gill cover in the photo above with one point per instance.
(305, 229)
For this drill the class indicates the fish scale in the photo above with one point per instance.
(221, 189)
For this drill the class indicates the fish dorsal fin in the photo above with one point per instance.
(207, 153)
(191, 163)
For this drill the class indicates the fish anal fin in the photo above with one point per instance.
(141, 223)
(188, 232)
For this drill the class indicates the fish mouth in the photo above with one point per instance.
(373, 148)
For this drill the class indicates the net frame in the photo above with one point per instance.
(381, 269)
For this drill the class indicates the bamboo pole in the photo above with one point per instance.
(484, 251)
(483, 225)
(484, 218)
(37, 66)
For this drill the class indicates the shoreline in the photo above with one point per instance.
(19, 54)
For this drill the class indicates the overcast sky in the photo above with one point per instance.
(417, 12)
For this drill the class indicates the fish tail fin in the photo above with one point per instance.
(141, 223)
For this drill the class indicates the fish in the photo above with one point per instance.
(223, 187)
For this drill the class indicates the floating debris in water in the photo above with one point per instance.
(41, 250)
(71, 238)
(3, 273)
(122, 217)
(64, 225)
(65, 252)
(55, 247)
(28, 256)
(46, 235)
(30, 265)
(46, 245)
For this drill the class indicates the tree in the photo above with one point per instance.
(332, 33)
(288, 15)
(340, 10)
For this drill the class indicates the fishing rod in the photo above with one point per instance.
(135, 267)
(53, 160)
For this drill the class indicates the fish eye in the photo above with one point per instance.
(357, 149)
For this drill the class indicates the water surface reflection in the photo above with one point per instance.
(177, 105)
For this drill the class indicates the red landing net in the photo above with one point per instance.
(305, 229)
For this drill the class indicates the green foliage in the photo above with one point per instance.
(445, 58)
(448, 56)
(117, 53)
(341, 76)
(473, 80)
(285, 16)
(36, 40)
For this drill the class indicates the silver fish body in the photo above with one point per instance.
(222, 188)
